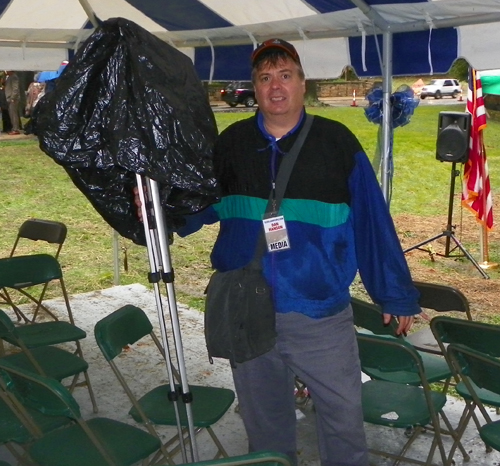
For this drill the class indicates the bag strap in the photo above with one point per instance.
(286, 166)
(284, 173)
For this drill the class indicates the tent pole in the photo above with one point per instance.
(386, 115)
(89, 12)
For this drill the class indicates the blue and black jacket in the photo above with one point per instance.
(336, 216)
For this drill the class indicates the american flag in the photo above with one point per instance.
(476, 194)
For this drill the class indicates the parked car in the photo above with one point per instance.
(441, 87)
(239, 92)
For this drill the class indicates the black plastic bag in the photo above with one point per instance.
(126, 104)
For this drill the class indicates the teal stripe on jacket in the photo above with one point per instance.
(301, 210)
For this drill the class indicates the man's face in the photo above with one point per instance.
(279, 88)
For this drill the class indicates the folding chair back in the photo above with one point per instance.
(20, 423)
(368, 316)
(100, 441)
(480, 336)
(42, 230)
(21, 272)
(127, 326)
(438, 298)
(399, 405)
(442, 298)
(479, 371)
(45, 360)
(119, 329)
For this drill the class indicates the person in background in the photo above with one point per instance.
(13, 96)
(337, 223)
(4, 106)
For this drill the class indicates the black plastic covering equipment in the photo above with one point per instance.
(126, 104)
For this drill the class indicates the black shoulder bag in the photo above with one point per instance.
(239, 310)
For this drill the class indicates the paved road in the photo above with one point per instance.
(219, 106)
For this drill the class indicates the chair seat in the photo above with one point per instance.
(423, 340)
(436, 369)
(208, 406)
(55, 362)
(490, 434)
(47, 333)
(70, 446)
(379, 399)
(486, 396)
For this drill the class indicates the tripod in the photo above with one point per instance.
(161, 270)
(449, 233)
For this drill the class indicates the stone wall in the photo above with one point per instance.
(344, 89)
(324, 89)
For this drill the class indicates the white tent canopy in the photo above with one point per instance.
(330, 34)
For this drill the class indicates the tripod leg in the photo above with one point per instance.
(468, 255)
(430, 240)
(161, 268)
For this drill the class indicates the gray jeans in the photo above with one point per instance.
(324, 354)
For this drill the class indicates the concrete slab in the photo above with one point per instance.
(148, 370)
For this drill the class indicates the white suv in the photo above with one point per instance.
(441, 87)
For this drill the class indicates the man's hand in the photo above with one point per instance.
(138, 203)
(405, 323)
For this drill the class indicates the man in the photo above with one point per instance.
(337, 222)
(13, 96)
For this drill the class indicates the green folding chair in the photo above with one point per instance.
(417, 409)
(20, 425)
(96, 442)
(45, 233)
(129, 325)
(368, 317)
(479, 372)
(480, 337)
(441, 299)
(47, 360)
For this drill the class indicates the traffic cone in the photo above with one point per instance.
(354, 104)
(461, 99)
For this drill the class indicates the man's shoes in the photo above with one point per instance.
(13, 133)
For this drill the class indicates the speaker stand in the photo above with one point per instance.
(449, 233)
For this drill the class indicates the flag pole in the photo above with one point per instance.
(484, 243)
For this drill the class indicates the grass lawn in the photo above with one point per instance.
(32, 185)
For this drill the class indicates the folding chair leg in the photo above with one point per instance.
(221, 452)
(79, 352)
(478, 426)
(75, 383)
(91, 392)
(456, 435)
(23, 458)
(19, 314)
(39, 304)
(469, 412)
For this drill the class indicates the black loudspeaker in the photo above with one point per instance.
(453, 137)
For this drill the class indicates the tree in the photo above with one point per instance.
(460, 69)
